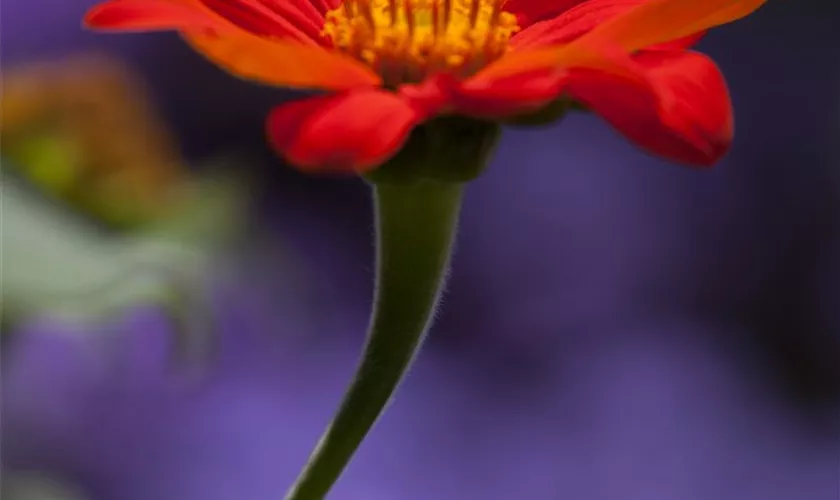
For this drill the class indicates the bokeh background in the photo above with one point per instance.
(182, 311)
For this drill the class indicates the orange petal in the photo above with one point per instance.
(654, 22)
(577, 21)
(281, 63)
(284, 63)
(542, 59)
(346, 133)
(658, 21)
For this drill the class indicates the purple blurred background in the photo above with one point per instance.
(615, 328)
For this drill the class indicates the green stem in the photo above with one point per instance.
(415, 225)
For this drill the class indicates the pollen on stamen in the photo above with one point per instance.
(406, 40)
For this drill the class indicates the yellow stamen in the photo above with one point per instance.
(474, 9)
(494, 14)
(393, 8)
(348, 8)
(412, 38)
(409, 17)
(366, 12)
(435, 18)
(447, 9)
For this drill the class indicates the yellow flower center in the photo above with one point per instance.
(405, 40)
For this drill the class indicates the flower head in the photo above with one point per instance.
(391, 65)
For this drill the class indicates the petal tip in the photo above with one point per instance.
(94, 16)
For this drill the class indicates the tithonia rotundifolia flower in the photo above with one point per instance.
(388, 66)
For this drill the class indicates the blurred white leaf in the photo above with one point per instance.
(33, 486)
(56, 262)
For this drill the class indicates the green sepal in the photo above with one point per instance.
(448, 149)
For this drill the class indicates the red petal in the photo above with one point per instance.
(352, 132)
(270, 18)
(432, 96)
(508, 96)
(579, 20)
(685, 115)
(288, 22)
(524, 81)
(312, 9)
(530, 11)
(323, 6)
(144, 15)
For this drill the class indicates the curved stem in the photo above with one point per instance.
(415, 226)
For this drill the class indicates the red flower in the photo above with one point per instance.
(392, 64)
